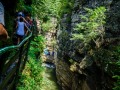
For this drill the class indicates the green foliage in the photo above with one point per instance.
(117, 77)
(109, 60)
(67, 6)
(21, 6)
(91, 25)
(31, 77)
(46, 26)
(54, 8)
(117, 71)
(37, 45)
(38, 8)
(58, 7)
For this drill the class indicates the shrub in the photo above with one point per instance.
(91, 25)
(32, 74)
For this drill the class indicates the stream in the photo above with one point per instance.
(49, 78)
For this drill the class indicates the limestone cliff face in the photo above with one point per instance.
(75, 68)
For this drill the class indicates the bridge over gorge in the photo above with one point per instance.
(13, 59)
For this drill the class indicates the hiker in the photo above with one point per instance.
(20, 30)
(29, 21)
(21, 15)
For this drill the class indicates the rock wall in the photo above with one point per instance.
(75, 68)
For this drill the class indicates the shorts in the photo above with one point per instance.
(20, 36)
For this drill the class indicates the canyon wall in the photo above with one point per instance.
(76, 69)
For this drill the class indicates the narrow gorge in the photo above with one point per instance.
(75, 44)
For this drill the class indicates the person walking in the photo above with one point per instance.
(20, 27)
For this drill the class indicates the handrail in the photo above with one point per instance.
(12, 66)
(2, 50)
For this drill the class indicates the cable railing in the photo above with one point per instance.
(12, 62)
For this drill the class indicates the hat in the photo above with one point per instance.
(20, 14)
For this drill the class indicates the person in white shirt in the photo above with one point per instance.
(20, 29)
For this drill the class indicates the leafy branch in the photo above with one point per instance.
(91, 25)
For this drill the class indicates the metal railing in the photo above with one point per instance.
(12, 62)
